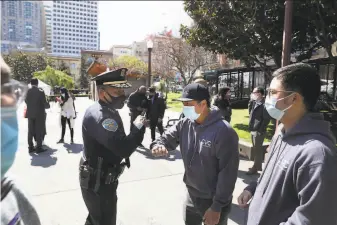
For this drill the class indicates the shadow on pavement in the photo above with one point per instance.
(173, 155)
(44, 159)
(73, 148)
(247, 179)
(238, 215)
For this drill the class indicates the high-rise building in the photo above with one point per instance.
(21, 24)
(99, 41)
(47, 27)
(74, 27)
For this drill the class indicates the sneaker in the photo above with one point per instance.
(31, 150)
(252, 171)
(39, 150)
(60, 141)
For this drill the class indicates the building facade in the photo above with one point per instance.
(47, 27)
(73, 63)
(21, 24)
(121, 50)
(74, 26)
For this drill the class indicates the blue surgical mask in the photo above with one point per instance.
(9, 138)
(190, 113)
(274, 112)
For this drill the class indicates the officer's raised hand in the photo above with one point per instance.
(159, 150)
(139, 122)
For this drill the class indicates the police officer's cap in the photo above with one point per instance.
(115, 78)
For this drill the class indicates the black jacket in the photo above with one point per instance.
(156, 108)
(36, 103)
(224, 105)
(136, 100)
(258, 116)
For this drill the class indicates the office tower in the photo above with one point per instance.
(21, 24)
(75, 27)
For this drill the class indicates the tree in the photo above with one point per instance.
(251, 31)
(64, 68)
(24, 65)
(182, 57)
(84, 81)
(132, 63)
(55, 78)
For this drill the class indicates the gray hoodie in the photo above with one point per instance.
(16, 209)
(210, 155)
(299, 184)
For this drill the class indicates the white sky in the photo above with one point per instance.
(122, 22)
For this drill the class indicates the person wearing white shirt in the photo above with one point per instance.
(68, 114)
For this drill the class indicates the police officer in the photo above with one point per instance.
(105, 147)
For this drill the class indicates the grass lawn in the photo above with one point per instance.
(239, 122)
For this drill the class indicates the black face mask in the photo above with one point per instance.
(116, 102)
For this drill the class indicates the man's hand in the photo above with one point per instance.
(211, 217)
(159, 150)
(160, 120)
(244, 198)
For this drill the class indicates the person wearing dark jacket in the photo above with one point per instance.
(155, 112)
(137, 104)
(222, 102)
(209, 149)
(298, 185)
(36, 104)
(258, 122)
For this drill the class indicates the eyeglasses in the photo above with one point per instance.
(14, 89)
(272, 92)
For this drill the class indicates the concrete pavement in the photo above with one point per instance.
(150, 192)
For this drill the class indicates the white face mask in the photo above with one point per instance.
(189, 112)
(253, 97)
(274, 112)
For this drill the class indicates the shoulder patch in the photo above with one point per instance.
(110, 125)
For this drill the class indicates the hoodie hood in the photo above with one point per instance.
(214, 116)
(311, 124)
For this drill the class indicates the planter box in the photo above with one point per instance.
(245, 149)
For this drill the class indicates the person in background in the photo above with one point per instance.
(137, 104)
(258, 122)
(209, 149)
(201, 81)
(222, 101)
(36, 113)
(155, 112)
(68, 114)
(16, 207)
(298, 185)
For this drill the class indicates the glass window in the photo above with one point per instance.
(28, 8)
(12, 30)
(11, 8)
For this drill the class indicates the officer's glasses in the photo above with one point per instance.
(15, 91)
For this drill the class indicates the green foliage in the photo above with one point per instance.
(24, 65)
(64, 68)
(132, 63)
(54, 78)
(84, 80)
(252, 31)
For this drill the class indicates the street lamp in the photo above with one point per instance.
(149, 48)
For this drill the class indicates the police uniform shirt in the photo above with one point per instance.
(104, 135)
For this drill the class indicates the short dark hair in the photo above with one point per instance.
(208, 102)
(260, 90)
(152, 89)
(5, 71)
(34, 81)
(224, 90)
(303, 79)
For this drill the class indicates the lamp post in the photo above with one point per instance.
(149, 48)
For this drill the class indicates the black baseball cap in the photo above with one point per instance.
(195, 91)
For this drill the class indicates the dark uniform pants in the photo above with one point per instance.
(153, 124)
(36, 130)
(195, 208)
(102, 206)
(257, 140)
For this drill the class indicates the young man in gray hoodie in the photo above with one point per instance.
(209, 149)
(15, 206)
(298, 185)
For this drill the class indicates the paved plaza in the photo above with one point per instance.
(150, 192)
